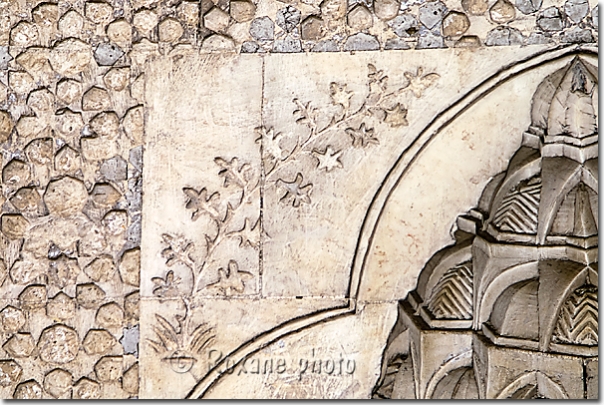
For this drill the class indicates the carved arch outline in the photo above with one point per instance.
(554, 391)
(566, 185)
(486, 300)
(463, 359)
(377, 205)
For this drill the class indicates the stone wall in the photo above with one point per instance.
(73, 107)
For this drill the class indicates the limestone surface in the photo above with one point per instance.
(299, 199)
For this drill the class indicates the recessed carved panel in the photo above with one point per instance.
(309, 199)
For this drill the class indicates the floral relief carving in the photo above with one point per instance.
(221, 212)
(242, 184)
(379, 105)
(75, 86)
(182, 344)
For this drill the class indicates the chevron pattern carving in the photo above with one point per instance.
(578, 321)
(519, 209)
(452, 296)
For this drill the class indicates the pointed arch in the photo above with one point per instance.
(499, 284)
(577, 282)
(369, 227)
(577, 322)
(545, 386)
(461, 360)
(550, 204)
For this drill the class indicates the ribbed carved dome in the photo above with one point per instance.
(547, 198)
(566, 102)
(549, 193)
(512, 304)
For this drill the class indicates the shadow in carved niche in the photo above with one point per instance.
(510, 310)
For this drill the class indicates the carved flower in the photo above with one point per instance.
(339, 95)
(200, 202)
(232, 280)
(329, 159)
(397, 116)
(295, 190)
(362, 136)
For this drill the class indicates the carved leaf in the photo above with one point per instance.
(270, 142)
(166, 287)
(177, 251)
(378, 81)
(362, 137)
(202, 337)
(307, 114)
(248, 235)
(419, 82)
(232, 172)
(167, 334)
(199, 202)
(295, 190)
(232, 280)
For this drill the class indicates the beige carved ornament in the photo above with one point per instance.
(183, 344)
(520, 284)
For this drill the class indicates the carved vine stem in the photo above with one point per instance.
(378, 103)
(378, 99)
(222, 226)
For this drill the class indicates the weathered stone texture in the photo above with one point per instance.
(153, 154)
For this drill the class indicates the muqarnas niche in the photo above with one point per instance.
(510, 310)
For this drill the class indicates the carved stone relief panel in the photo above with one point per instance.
(315, 136)
(512, 304)
(300, 199)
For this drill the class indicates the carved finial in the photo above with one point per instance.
(565, 103)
